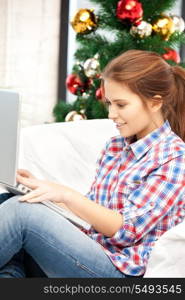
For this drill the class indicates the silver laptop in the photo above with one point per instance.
(9, 136)
(9, 148)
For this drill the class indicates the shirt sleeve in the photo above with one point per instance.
(149, 202)
(91, 192)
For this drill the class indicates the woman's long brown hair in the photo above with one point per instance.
(147, 74)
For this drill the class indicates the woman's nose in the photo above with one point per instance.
(112, 113)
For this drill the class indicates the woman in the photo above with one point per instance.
(138, 192)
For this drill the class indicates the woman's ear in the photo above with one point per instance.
(156, 103)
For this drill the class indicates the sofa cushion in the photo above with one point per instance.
(65, 152)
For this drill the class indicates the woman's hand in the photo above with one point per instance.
(25, 173)
(104, 220)
(43, 190)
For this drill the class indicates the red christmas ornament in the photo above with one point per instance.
(99, 93)
(74, 84)
(89, 82)
(172, 55)
(130, 10)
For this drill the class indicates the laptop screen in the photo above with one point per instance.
(9, 134)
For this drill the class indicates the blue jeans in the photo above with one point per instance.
(21, 264)
(57, 246)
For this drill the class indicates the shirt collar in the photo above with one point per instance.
(140, 147)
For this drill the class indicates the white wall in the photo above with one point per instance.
(29, 44)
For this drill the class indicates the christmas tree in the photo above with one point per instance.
(133, 24)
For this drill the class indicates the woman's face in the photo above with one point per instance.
(127, 110)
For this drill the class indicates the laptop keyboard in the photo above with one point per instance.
(24, 189)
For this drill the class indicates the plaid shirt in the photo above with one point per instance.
(145, 182)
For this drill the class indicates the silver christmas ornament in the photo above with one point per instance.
(143, 30)
(92, 67)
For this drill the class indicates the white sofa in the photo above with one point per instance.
(67, 153)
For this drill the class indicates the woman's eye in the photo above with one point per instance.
(108, 103)
(120, 105)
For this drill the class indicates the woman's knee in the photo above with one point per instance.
(21, 211)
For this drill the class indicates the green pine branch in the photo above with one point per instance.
(156, 7)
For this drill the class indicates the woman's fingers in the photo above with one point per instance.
(29, 182)
(31, 195)
(25, 173)
(43, 190)
(35, 197)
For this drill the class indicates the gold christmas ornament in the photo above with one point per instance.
(84, 21)
(75, 116)
(92, 67)
(164, 26)
(143, 30)
(179, 24)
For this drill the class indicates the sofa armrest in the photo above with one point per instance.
(167, 257)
